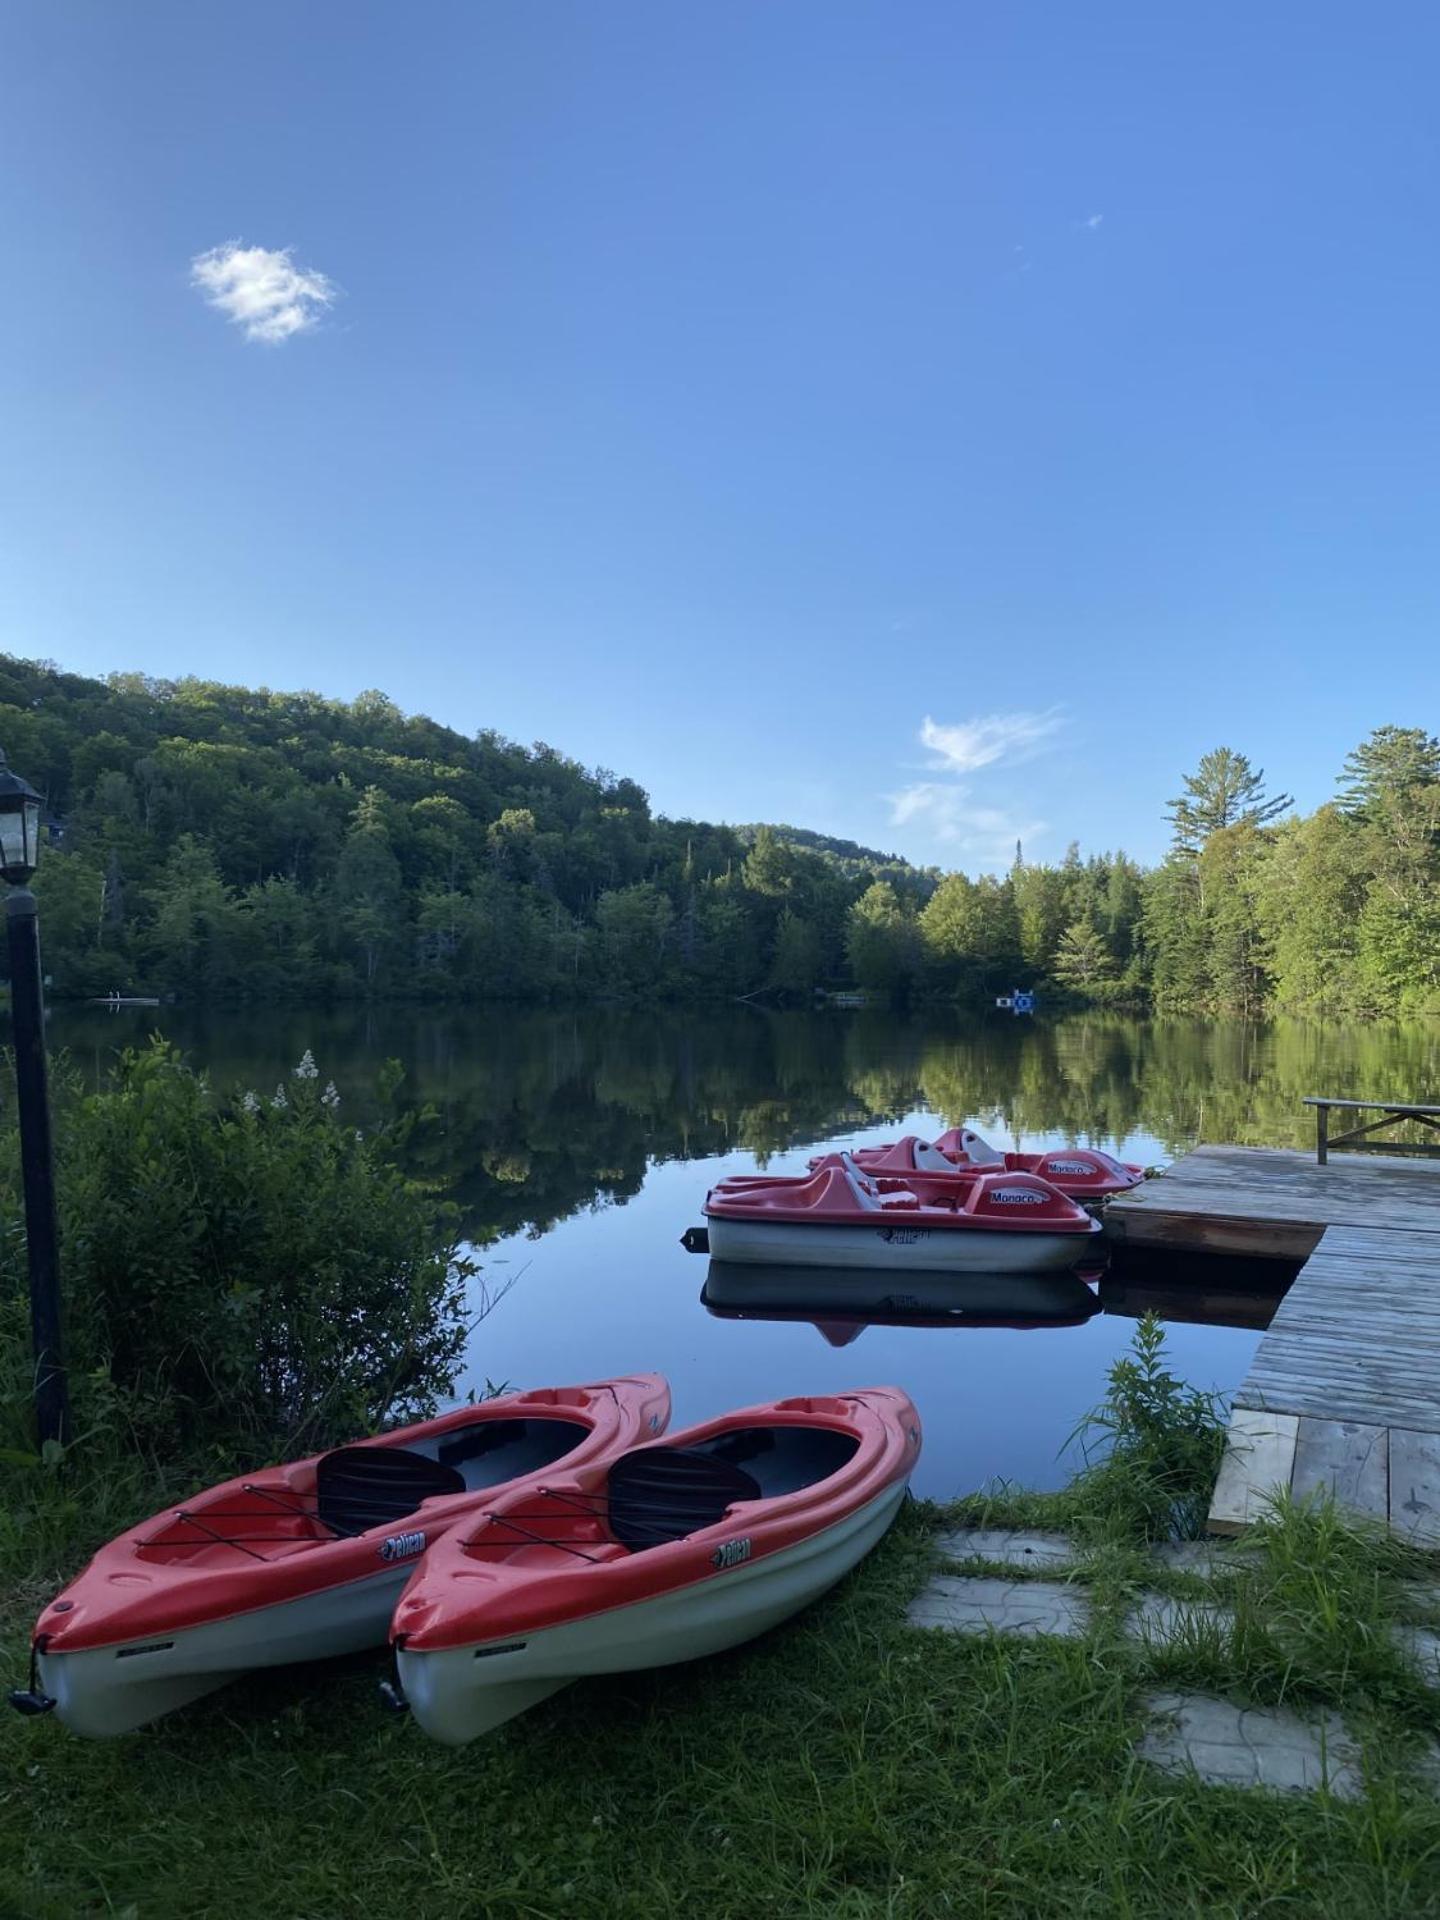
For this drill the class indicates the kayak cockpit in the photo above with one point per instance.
(352, 1489)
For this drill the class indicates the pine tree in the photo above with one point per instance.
(1224, 791)
(1082, 960)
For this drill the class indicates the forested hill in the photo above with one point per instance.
(218, 842)
(223, 842)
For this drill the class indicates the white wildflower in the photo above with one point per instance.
(331, 1096)
(250, 1102)
(307, 1069)
(280, 1100)
(359, 1133)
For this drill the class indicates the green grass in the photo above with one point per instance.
(845, 1766)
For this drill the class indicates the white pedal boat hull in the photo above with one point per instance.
(459, 1693)
(892, 1245)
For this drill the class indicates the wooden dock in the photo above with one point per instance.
(1271, 1203)
(1344, 1390)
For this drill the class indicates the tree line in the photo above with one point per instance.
(223, 843)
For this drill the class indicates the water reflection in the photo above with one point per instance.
(1000, 1299)
(526, 1117)
(840, 1303)
(578, 1146)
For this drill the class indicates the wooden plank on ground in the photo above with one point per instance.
(1415, 1486)
(1347, 1459)
(1259, 1459)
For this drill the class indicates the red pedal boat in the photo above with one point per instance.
(302, 1561)
(1084, 1173)
(673, 1551)
(843, 1216)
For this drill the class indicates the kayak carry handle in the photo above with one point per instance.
(392, 1698)
(30, 1701)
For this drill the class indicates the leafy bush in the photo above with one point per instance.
(244, 1277)
(1161, 1443)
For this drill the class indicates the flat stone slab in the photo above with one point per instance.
(1204, 1557)
(1421, 1647)
(1231, 1746)
(1161, 1617)
(1008, 1547)
(1027, 1607)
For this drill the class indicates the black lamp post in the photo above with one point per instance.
(19, 852)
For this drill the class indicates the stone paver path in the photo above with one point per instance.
(1008, 1547)
(1205, 1557)
(1421, 1646)
(1008, 1606)
(1231, 1746)
(1158, 1617)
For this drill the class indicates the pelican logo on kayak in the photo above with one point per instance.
(731, 1553)
(1018, 1197)
(402, 1546)
(904, 1236)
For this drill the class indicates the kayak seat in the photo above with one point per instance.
(657, 1494)
(361, 1487)
(785, 1459)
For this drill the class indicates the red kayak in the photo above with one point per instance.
(302, 1561)
(673, 1551)
(1084, 1173)
(844, 1216)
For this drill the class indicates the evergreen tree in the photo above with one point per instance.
(1082, 960)
(1224, 791)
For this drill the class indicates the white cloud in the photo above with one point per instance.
(261, 290)
(967, 745)
(1093, 221)
(944, 811)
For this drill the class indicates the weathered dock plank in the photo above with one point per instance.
(1415, 1486)
(1272, 1203)
(1345, 1458)
(1259, 1459)
(1353, 1357)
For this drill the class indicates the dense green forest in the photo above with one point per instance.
(220, 843)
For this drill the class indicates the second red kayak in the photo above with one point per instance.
(675, 1550)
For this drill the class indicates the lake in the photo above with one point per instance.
(579, 1146)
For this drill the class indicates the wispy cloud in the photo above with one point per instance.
(967, 745)
(1093, 220)
(945, 811)
(262, 290)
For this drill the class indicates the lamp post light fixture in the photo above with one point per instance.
(20, 830)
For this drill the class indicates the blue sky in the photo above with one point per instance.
(922, 422)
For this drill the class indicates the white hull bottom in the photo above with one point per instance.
(461, 1692)
(109, 1690)
(892, 1246)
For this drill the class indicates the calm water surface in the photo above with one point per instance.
(579, 1147)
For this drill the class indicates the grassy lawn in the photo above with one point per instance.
(844, 1766)
(847, 1765)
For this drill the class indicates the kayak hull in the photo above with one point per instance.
(261, 1571)
(878, 1243)
(460, 1693)
(104, 1691)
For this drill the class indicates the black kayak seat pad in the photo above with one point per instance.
(658, 1494)
(361, 1487)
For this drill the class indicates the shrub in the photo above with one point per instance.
(1160, 1445)
(244, 1277)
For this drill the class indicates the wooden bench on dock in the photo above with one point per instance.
(1392, 1113)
